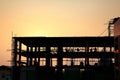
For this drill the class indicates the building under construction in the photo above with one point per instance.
(68, 58)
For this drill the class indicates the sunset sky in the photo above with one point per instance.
(53, 18)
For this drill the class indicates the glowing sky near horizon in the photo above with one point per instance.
(53, 18)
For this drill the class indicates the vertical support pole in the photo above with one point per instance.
(110, 49)
(35, 60)
(87, 59)
(39, 56)
(15, 68)
(20, 46)
(48, 56)
(31, 50)
(59, 63)
(15, 53)
(38, 61)
(27, 62)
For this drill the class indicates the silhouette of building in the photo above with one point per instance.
(66, 58)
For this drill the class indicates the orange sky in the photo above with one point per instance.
(53, 18)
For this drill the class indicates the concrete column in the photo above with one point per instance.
(87, 59)
(39, 57)
(15, 52)
(59, 63)
(27, 62)
(31, 50)
(48, 56)
(20, 48)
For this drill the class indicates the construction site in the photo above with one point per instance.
(68, 58)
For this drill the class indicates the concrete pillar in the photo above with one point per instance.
(59, 63)
(48, 56)
(39, 57)
(20, 46)
(31, 50)
(27, 62)
(87, 59)
(15, 52)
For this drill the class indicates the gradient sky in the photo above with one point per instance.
(53, 18)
